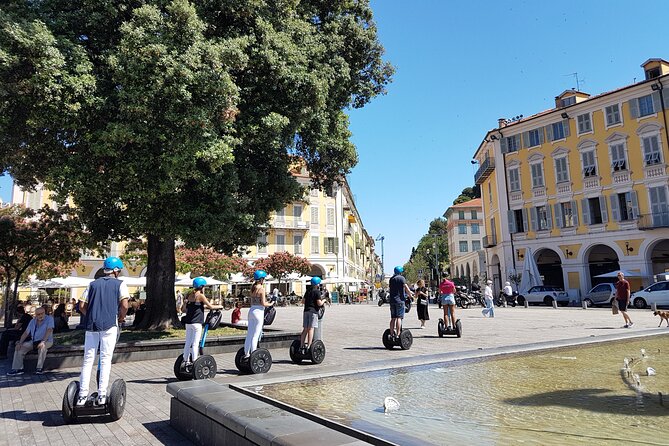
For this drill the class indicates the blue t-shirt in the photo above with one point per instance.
(37, 332)
(397, 283)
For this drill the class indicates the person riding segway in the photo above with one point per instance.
(395, 335)
(104, 305)
(251, 358)
(448, 325)
(311, 327)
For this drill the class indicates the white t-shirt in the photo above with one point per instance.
(507, 290)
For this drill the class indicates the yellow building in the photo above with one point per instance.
(581, 187)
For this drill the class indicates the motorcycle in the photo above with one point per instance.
(462, 299)
(477, 298)
(383, 299)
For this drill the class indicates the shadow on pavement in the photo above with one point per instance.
(364, 348)
(50, 418)
(165, 434)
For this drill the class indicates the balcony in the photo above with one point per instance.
(564, 188)
(655, 170)
(487, 167)
(591, 182)
(289, 223)
(489, 241)
(654, 221)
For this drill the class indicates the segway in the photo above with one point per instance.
(114, 406)
(404, 340)
(444, 331)
(260, 360)
(316, 351)
(204, 366)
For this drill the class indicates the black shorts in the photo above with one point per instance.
(622, 305)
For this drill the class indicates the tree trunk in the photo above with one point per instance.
(8, 307)
(161, 310)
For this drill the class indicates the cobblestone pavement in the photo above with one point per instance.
(30, 404)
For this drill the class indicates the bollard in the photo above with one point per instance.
(554, 304)
(654, 306)
(585, 305)
(527, 304)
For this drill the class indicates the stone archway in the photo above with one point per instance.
(601, 259)
(495, 271)
(550, 267)
(658, 255)
(468, 274)
(317, 271)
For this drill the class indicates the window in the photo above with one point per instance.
(297, 211)
(262, 244)
(281, 214)
(330, 216)
(314, 215)
(315, 240)
(314, 192)
(646, 105)
(558, 131)
(462, 229)
(463, 246)
(510, 143)
(537, 175)
(584, 123)
(651, 150)
(280, 242)
(653, 73)
(534, 138)
(542, 218)
(297, 244)
(490, 191)
(475, 228)
(514, 180)
(594, 211)
(589, 166)
(330, 192)
(567, 215)
(659, 206)
(561, 170)
(571, 100)
(476, 245)
(474, 215)
(331, 245)
(624, 206)
(612, 114)
(618, 160)
(461, 215)
(517, 219)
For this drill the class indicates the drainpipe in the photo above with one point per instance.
(664, 113)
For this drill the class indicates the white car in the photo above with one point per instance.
(657, 293)
(544, 294)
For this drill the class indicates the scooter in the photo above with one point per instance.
(114, 406)
(204, 366)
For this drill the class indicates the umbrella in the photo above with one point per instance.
(530, 275)
(71, 282)
(239, 278)
(342, 280)
(189, 282)
(133, 281)
(624, 271)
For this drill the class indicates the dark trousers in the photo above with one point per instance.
(7, 336)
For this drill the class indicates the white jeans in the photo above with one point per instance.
(107, 341)
(256, 319)
(192, 346)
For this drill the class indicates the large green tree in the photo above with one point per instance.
(170, 120)
(430, 255)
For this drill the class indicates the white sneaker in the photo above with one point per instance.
(101, 401)
(81, 401)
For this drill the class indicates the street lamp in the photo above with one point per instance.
(381, 238)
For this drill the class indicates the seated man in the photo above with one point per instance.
(40, 331)
(236, 318)
(13, 334)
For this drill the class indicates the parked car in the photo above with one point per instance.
(544, 294)
(600, 294)
(657, 293)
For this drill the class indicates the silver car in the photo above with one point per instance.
(600, 295)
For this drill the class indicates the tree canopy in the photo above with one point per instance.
(430, 255)
(468, 193)
(281, 264)
(175, 120)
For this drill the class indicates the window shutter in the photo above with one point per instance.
(666, 101)
(512, 222)
(526, 139)
(525, 222)
(336, 245)
(585, 207)
(558, 215)
(549, 216)
(574, 212)
(325, 245)
(657, 102)
(635, 205)
(634, 107)
(504, 144)
(602, 206)
(549, 131)
(533, 219)
(565, 125)
(541, 135)
(615, 212)
(314, 215)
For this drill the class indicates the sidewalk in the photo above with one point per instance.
(30, 404)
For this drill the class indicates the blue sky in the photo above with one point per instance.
(459, 67)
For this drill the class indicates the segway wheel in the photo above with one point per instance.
(317, 352)
(204, 367)
(116, 400)
(179, 371)
(240, 363)
(69, 400)
(406, 339)
(441, 328)
(294, 352)
(387, 340)
(458, 328)
(260, 361)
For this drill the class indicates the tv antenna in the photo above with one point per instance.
(578, 83)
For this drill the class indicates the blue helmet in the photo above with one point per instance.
(399, 269)
(315, 280)
(259, 274)
(199, 282)
(113, 264)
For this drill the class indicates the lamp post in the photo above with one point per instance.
(436, 260)
(381, 238)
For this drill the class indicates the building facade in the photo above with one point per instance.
(582, 187)
(465, 229)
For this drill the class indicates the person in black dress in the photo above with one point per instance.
(422, 301)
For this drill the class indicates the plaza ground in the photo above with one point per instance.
(30, 404)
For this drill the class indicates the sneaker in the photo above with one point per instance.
(101, 401)
(449, 328)
(38, 371)
(81, 401)
(626, 326)
(630, 325)
(15, 372)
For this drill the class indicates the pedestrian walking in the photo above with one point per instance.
(422, 301)
(623, 298)
(489, 309)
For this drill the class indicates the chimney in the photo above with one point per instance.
(501, 122)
